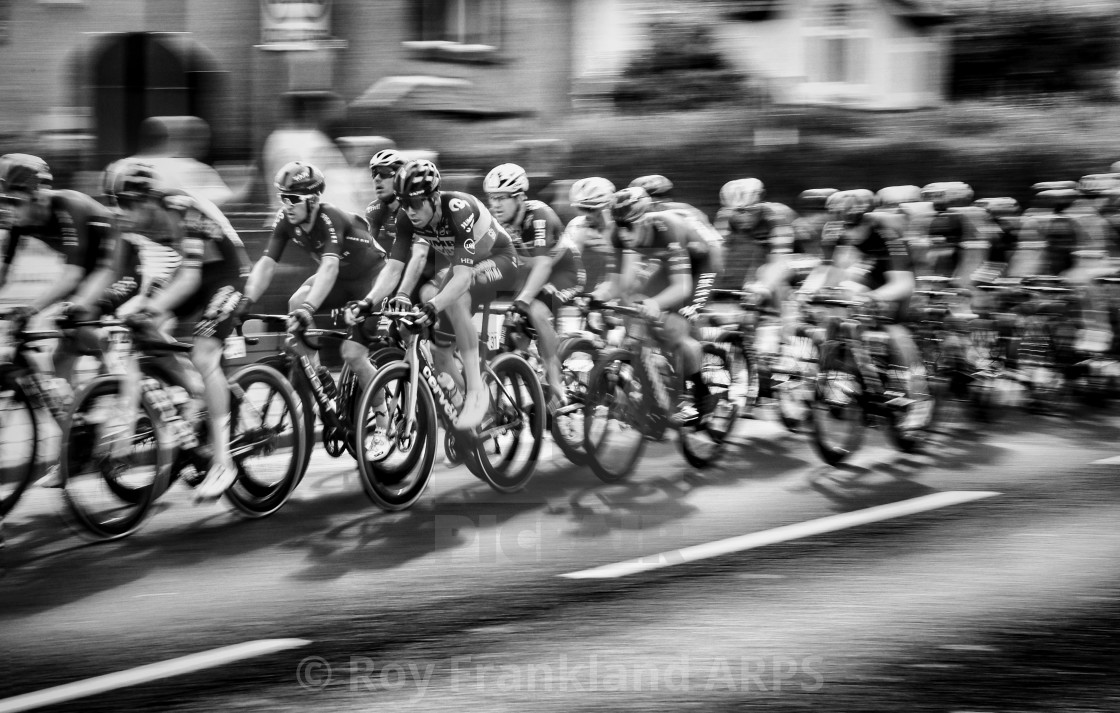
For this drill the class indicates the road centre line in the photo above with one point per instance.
(149, 672)
(1114, 460)
(785, 533)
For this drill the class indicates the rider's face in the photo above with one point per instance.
(297, 207)
(627, 234)
(16, 208)
(383, 184)
(420, 210)
(131, 212)
(595, 216)
(503, 206)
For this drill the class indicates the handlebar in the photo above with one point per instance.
(311, 338)
(743, 296)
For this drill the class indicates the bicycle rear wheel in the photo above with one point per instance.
(704, 442)
(267, 440)
(395, 463)
(613, 436)
(577, 357)
(19, 444)
(838, 415)
(511, 439)
(110, 491)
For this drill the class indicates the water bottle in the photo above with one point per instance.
(448, 385)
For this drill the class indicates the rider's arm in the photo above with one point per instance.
(387, 281)
(260, 278)
(546, 234)
(325, 278)
(456, 287)
(679, 291)
(410, 251)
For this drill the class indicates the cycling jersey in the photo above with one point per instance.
(1061, 237)
(596, 253)
(660, 240)
(539, 234)
(881, 250)
(748, 248)
(79, 228)
(382, 221)
(333, 232)
(465, 234)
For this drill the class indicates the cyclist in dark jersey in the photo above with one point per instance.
(762, 233)
(482, 262)
(955, 236)
(654, 264)
(72, 224)
(202, 292)
(552, 272)
(338, 242)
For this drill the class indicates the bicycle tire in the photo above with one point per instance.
(837, 358)
(567, 429)
(721, 420)
(794, 395)
(518, 407)
(608, 386)
(132, 500)
(17, 416)
(284, 364)
(253, 494)
(394, 487)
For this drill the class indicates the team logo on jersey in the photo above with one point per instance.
(540, 227)
(468, 245)
(468, 224)
(457, 204)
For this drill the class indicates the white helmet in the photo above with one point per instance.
(506, 178)
(894, 196)
(947, 194)
(741, 193)
(591, 192)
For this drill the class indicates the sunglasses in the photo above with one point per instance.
(293, 198)
(501, 196)
(12, 201)
(383, 172)
(415, 202)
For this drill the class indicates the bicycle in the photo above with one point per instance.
(117, 459)
(637, 387)
(336, 403)
(857, 384)
(25, 391)
(398, 408)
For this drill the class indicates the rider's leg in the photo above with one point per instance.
(475, 400)
(540, 316)
(207, 358)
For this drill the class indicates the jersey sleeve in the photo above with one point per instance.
(544, 231)
(474, 230)
(278, 240)
(402, 243)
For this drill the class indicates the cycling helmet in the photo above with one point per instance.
(417, 178)
(591, 192)
(998, 207)
(300, 178)
(741, 193)
(506, 178)
(1096, 184)
(131, 179)
(386, 159)
(850, 206)
(1056, 199)
(23, 172)
(1053, 186)
(630, 204)
(655, 185)
(947, 194)
(894, 196)
(814, 198)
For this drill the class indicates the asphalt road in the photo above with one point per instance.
(1006, 603)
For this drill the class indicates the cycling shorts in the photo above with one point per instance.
(207, 312)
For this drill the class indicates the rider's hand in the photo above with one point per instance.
(72, 313)
(301, 318)
(244, 306)
(650, 308)
(426, 315)
(518, 311)
(356, 311)
(20, 316)
(401, 302)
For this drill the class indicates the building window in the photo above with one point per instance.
(836, 41)
(462, 22)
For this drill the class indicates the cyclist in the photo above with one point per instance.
(69, 223)
(381, 213)
(705, 244)
(482, 261)
(954, 238)
(194, 270)
(553, 269)
(590, 231)
(654, 264)
(347, 258)
(873, 262)
(813, 216)
(764, 231)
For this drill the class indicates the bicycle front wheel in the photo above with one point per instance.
(267, 440)
(19, 444)
(109, 485)
(395, 439)
(612, 419)
(510, 442)
(704, 442)
(577, 357)
(838, 415)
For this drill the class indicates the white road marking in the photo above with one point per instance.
(1114, 460)
(785, 533)
(144, 674)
